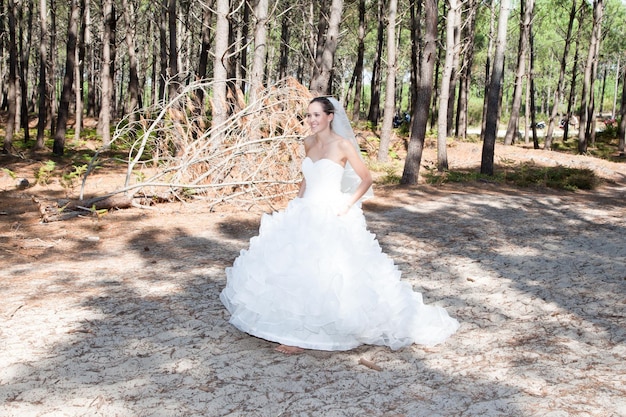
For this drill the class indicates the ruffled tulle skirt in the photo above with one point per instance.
(320, 281)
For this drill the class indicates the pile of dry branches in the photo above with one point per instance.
(254, 157)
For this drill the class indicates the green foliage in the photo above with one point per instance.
(10, 173)
(558, 177)
(433, 176)
(44, 173)
(139, 176)
(390, 177)
(523, 175)
(474, 111)
(67, 180)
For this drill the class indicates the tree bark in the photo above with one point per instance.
(454, 76)
(92, 105)
(10, 127)
(559, 87)
(163, 55)
(106, 78)
(203, 62)
(586, 103)
(444, 95)
(358, 68)
(285, 35)
(68, 80)
(220, 71)
(622, 125)
(493, 98)
(43, 89)
(424, 91)
(316, 40)
(173, 83)
(488, 64)
(260, 48)
(25, 46)
(390, 85)
(133, 76)
(416, 39)
(374, 110)
(527, 10)
(322, 83)
(531, 81)
(466, 70)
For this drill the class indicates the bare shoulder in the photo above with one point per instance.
(345, 145)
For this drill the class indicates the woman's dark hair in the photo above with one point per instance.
(327, 106)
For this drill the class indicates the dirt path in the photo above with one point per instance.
(95, 322)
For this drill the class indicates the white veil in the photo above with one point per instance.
(341, 125)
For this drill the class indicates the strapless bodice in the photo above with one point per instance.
(323, 179)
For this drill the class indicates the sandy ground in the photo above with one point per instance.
(120, 316)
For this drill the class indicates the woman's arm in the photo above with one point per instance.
(359, 167)
(307, 146)
(302, 188)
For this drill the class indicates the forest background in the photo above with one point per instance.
(205, 98)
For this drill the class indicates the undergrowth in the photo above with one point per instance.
(522, 175)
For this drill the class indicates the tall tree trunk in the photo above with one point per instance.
(444, 95)
(527, 10)
(260, 49)
(527, 111)
(531, 81)
(616, 87)
(203, 61)
(112, 70)
(558, 93)
(322, 83)
(231, 60)
(220, 71)
(374, 110)
(570, 116)
(603, 89)
(133, 76)
(622, 124)
(243, 50)
(424, 91)
(163, 54)
(390, 85)
(455, 68)
(488, 63)
(79, 68)
(68, 79)
(106, 77)
(173, 82)
(586, 103)
(358, 68)
(43, 89)
(92, 105)
(316, 39)
(285, 35)
(435, 100)
(493, 99)
(416, 39)
(24, 58)
(78, 99)
(10, 127)
(466, 70)
(3, 53)
(52, 109)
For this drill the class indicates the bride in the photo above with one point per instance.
(315, 277)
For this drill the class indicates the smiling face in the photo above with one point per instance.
(317, 117)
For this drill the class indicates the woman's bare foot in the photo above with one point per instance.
(289, 350)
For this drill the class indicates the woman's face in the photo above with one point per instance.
(317, 119)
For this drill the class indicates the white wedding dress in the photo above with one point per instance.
(317, 280)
